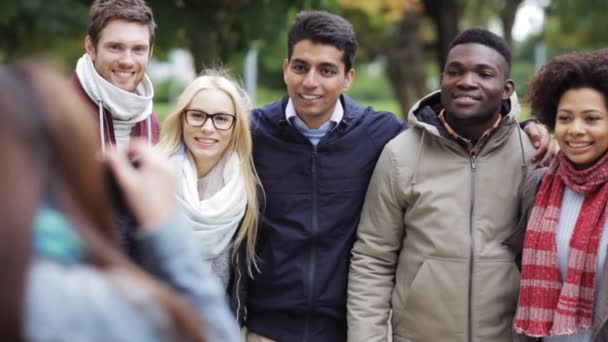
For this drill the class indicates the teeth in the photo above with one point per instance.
(206, 141)
(123, 74)
(578, 145)
(311, 97)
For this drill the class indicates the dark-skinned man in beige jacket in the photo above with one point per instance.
(443, 197)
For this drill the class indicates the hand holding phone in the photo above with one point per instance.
(146, 183)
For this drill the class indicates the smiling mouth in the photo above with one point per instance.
(578, 145)
(465, 98)
(206, 141)
(311, 97)
(124, 75)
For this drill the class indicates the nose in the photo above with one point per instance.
(467, 80)
(127, 57)
(208, 125)
(577, 127)
(310, 79)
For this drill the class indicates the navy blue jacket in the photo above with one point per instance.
(314, 197)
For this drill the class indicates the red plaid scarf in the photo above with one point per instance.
(546, 305)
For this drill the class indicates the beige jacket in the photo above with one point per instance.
(429, 243)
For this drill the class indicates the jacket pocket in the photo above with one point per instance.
(434, 304)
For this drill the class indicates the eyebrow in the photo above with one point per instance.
(476, 66)
(297, 60)
(323, 64)
(114, 42)
(330, 65)
(586, 111)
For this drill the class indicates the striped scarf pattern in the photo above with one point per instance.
(547, 305)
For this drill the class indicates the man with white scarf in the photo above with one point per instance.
(111, 77)
(111, 74)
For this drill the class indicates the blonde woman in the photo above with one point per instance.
(208, 141)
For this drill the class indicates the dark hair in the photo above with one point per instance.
(103, 12)
(325, 28)
(41, 119)
(482, 36)
(573, 70)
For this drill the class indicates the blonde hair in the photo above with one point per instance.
(240, 142)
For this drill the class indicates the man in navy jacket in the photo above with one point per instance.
(314, 152)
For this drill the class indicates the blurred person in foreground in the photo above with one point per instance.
(208, 141)
(66, 279)
(564, 286)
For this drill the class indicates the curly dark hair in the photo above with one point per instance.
(572, 70)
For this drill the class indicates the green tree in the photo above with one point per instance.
(215, 31)
(576, 25)
(392, 28)
(39, 26)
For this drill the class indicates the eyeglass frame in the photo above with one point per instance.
(209, 116)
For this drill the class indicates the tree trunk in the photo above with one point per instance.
(204, 49)
(445, 15)
(507, 16)
(405, 64)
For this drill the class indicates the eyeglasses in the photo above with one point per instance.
(220, 121)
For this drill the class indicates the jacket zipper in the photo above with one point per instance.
(315, 229)
(473, 160)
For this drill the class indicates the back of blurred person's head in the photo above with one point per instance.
(49, 154)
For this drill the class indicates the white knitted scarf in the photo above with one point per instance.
(215, 219)
(127, 108)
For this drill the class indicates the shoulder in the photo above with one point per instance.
(532, 182)
(382, 126)
(405, 145)
(269, 113)
(77, 86)
(272, 110)
(155, 119)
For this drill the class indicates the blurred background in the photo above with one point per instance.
(403, 43)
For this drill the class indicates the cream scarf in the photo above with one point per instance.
(217, 218)
(127, 108)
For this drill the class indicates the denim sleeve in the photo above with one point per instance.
(169, 253)
(80, 303)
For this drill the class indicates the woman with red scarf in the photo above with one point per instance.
(564, 282)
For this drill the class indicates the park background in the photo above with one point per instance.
(403, 43)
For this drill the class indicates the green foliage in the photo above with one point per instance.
(162, 109)
(216, 30)
(38, 26)
(576, 25)
(370, 87)
(521, 72)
